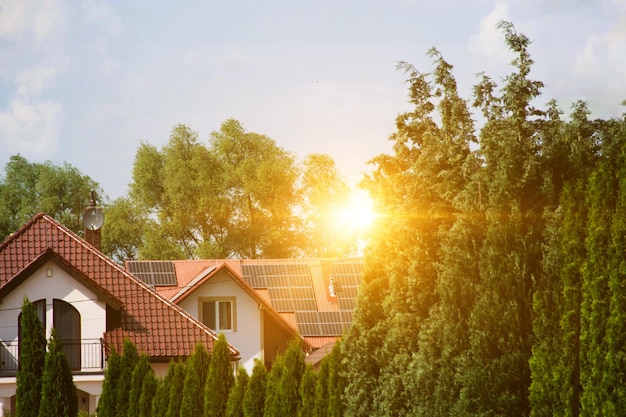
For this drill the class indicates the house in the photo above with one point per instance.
(260, 305)
(92, 302)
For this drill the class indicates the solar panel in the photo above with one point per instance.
(155, 273)
(347, 277)
(323, 323)
(289, 285)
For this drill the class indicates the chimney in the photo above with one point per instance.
(93, 218)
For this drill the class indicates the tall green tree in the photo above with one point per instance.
(128, 360)
(234, 405)
(58, 392)
(220, 380)
(107, 402)
(254, 397)
(31, 361)
(308, 386)
(27, 188)
(177, 386)
(140, 372)
(196, 370)
(148, 394)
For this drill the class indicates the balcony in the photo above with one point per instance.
(83, 356)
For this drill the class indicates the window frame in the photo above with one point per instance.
(217, 301)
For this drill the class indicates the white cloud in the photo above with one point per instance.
(19, 18)
(31, 127)
(33, 81)
(103, 15)
(488, 46)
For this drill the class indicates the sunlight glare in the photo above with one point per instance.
(358, 214)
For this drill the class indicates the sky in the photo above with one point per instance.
(86, 82)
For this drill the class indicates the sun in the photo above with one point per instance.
(358, 214)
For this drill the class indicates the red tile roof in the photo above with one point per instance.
(156, 326)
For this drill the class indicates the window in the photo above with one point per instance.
(218, 313)
(66, 320)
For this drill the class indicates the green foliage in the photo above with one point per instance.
(58, 392)
(282, 394)
(148, 394)
(234, 406)
(28, 188)
(107, 402)
(128, 360)
(254, 397)
(220, 379)
(177, 386)
(308, 392)
(194, 385)
(32, 360)
(272, 394)
(140, 372)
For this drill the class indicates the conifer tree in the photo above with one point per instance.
(162, 395)
(308, 386)
(271, 407)
(58, 392)
(321, 390)
(107, 401)
(128, 361)
(336, 381)
(234, 406)
(148, 394)
(177, 387)
(196, 370)
(31, 361)
(254, 397)
(142, 369)
(220, 380)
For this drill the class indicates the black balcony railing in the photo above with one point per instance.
(85, 355)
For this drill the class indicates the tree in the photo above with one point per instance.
(162, 395)
(196, 370)
(254, 397)
(283, 396)
(31, 361)
(234, 406)
(148, 394)
(271, 407)
(129, 359)
(28, 188)
(177, 386)
(220, 379)
(58, 392)
(107, 402)
(308, 392)
(325, 193)
(140, 372)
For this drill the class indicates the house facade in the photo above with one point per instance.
(260, 305)
(92, 302)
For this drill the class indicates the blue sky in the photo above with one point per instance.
(85, 82)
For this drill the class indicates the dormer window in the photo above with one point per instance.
(218, 313)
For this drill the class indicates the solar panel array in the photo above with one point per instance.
(323, 323)
(289, 285)
(155, 273)
(346, 280)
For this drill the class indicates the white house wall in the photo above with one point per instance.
(247, 335)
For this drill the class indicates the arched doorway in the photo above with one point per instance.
(66, 321)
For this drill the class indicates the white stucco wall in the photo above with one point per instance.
(247, 335)
(60, 286)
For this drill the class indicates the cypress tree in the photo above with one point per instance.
(254, 397)
(336, 382)
(289, 383)
(220, 380)
(129, 359)
(177, 386)
(107, 401)
(142, 369)
(58, 392)
(196, 370)
(148, 393)
(271, 406)
(234, 406)
(31, 361)
(307, 392)
(162, 396)
(321, 390)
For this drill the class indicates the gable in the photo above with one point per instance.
(156, 326)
